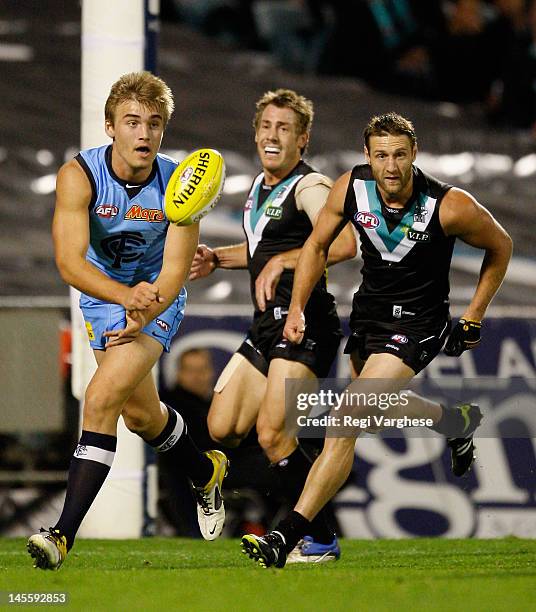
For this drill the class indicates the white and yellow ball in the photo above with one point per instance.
(194, 187)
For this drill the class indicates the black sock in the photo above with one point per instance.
(89, 467)
(179, 450)
(293, 527)
(251, 470)
(451, 422)
(293, 471)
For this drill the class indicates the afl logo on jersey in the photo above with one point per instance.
(107, 211)
(367, 219)
(400, 338)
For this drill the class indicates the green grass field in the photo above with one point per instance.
(176, 574)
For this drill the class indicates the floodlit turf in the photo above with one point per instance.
(176, 574)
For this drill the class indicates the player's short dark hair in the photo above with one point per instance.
(287, 98)
(143, 87)
(389, 123)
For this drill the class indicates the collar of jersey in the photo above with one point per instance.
(123, 183)
(390, 239)
(255, 214)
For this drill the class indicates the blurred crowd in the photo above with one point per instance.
(460, 51)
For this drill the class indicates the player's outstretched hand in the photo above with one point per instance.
(464, 336)
(141, 296)
(136, 321)
(267, 281)
(204, 262)
(294, 326)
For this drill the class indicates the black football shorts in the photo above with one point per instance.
(317, 350)
(416, 349)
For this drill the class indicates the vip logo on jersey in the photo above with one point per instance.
(123, 247)
(274, 212)
(162, 324)
(137, 213)
(107, 211)
(416, 236)
(400, 338)
(367, 219)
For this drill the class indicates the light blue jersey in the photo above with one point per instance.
(128, 231)
(127, 224)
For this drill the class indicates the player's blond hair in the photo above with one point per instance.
(389, 123)
(143, 87)
(287, 98)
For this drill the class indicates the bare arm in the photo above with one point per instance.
(462, 216)
(314, 256)
(344, 247)
(179, 250)
(70, 232)
(312, 193)
(206, 260)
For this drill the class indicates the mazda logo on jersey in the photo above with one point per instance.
(400, 338)
(106, 211)
(123, 247)
(367, 219)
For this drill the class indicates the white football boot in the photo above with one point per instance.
(48, 548)
(210, 508)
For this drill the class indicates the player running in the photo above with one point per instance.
(408, 223)
(281, 209)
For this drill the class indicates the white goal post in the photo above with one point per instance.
(114, 41)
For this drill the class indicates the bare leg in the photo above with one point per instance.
(113, 384)
(332, 467)
(326, 477)
(236, 403)
(275, 441)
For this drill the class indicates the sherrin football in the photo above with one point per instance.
(194, 187)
